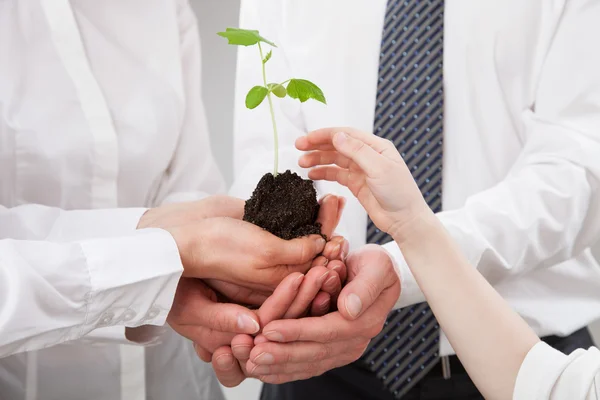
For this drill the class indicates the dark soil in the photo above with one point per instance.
(285, 205)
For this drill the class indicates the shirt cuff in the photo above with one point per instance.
(410, 292)
(133, 279)
(539, 372)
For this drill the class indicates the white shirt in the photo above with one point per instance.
(548, 374)
(521, 166)
(99, 108)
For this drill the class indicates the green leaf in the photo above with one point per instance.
(255, 96)
(244, 37)
(277, 89)
(303, 90)
(268, 56)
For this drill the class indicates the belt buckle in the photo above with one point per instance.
(446, 373)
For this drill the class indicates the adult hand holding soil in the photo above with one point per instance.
(238, 252)
(331, 208)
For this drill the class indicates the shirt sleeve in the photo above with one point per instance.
(546, 210)
(547, 373)
(192, 173)
(58, 283)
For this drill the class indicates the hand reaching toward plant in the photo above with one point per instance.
(371, 168)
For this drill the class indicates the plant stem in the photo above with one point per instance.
(275, 137)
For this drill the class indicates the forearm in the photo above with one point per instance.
(490, 339)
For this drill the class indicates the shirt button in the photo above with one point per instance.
(129, 315)
(153, 313)
(107, 318)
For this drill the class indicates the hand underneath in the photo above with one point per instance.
(294, 349)
(289, 300)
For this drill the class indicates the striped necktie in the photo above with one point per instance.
(409, 113)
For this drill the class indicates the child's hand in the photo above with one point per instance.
(371, 168)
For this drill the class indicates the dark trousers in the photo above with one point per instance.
(354, 382)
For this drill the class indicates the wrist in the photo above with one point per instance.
(417, 228)
(148, 218)
(185, 246)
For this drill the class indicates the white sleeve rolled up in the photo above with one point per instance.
(546, 373)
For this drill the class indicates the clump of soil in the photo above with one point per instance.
(285, 205)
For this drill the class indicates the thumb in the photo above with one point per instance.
(369, 275)
(296, 251)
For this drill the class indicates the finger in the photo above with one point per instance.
(365, 156)
(340, 268)
(276, 306)
(296, 252)
(326, 136)
(315, 158)
(332, 174)
(205, 338)
(314, 280)
(304, 144)
(321, 304)
(280, 354)
(285, 378)
(332, 285)
(336, 249)
(260, 338)
(227, 368)
(204, 354)
(241, 345)
(328, 214)
(320, 261)
(373, 267)
(193, 306)
(333, 326)
(238, 294)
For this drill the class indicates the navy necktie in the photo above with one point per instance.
(409, 109)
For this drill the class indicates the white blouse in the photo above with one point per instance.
(99, 108)
(546, 373)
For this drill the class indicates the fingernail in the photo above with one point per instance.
(246, 324)
(297, 282)
(330, 281)
(320, 243)
(336, 249)
(345, 250)
(322, 278)
(264, 359)
(225, 361)
(340, 138)
(353, 305)
(274, 336)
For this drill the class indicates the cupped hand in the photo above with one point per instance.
(288, 300)
(371, 168)
(239, 252)
(294, 349)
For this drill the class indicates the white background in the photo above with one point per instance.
(218, 77)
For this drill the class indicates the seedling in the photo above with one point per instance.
(300, 89)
